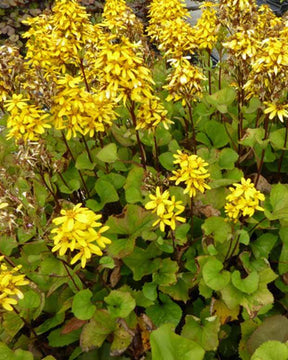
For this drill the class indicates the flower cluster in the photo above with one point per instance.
(26, 121)
(167, 209)
(168, 28)
(78, 111)
(150, 114)
(121, 71)
(56, 40)
(243, 43)
(119, 18)
(206, 28)
(11, 68)
(192, 173)
(75, 231)
(268, 78)
(243, 200)
(238, 12)
(9, 283)
(184, 82)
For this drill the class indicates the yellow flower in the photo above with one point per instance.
(184, 82)
(122, 73)
(9, 283)
(119, 18)
(192, 173)
(75, 231)
(152, 113)
(243, 43)
(166, 208)
(206, 27)
(26, 121)
(55, 40)
(16, 103)
(279, 110)
(243, 200)
(159, 201)
(78, 111)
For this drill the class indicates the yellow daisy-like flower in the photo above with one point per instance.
(206, 28)
(184, 82)
(16, 103)
(152, 113)
(75, 231)
(78, 111)
(192, 173)
(159, 201)
(166, 208)
(276, 110)
(9, 283)
(26, 121)
(243, 200)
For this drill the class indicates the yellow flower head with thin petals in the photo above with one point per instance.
(243, 200)
(75, 231)
(9, 283)
(184, 82)
(192, 173)
(166, 208)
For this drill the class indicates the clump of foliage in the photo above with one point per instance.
(144, 197)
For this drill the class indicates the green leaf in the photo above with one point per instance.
(216, 133)
(227, 158)
(283, 265)
(95, 332)
(122, 134)
(166, 345)
(50, 323)
(213, 276)
(253, 136)
(166, 311)
(204, 334)
(133, 185)
(12, 323)
(166, 160)
(150, 290)
(81, 305)
(83, 162)
(218, 227)
(143, 261)
(121, 340)
(277, 139)
(23, 355)
(107, 262)
(7, 244)
(108, 153)
(31, 300)
(163, 136)
(272, 328)
(248, 285)
(222, 97)
(57, 339)
(263, 245)
(106, 192)
(271, 350)
(181, 233)
(133, 221)
(279, 201)
(244, 237)
(180, 290)
(166, 274)
(120, 304)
